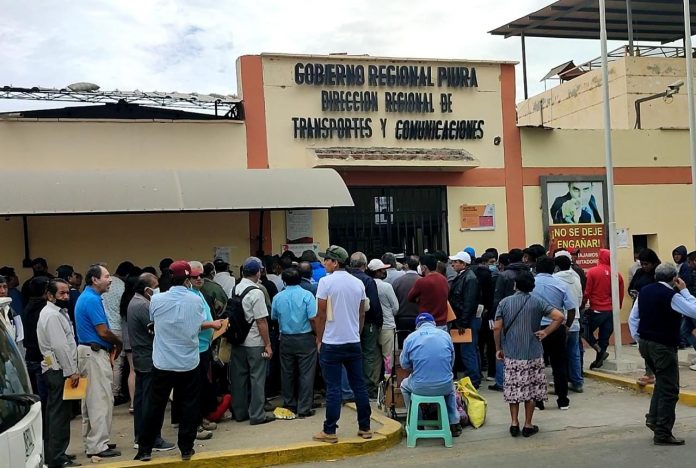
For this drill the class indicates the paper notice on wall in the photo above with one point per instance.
(622, 238)
(298, 225)
(223, 253)
(477, 217)
(297, 249)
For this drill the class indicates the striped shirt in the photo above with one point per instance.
(519, 342)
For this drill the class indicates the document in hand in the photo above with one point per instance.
(463, 338)
(77, 393)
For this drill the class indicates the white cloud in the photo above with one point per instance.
(192, 45)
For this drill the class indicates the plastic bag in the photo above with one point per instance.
(475, 404)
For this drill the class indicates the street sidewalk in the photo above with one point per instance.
(687, 377)
(240, 444)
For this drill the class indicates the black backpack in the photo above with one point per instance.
(238, 325)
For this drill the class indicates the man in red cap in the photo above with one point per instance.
(178, 317)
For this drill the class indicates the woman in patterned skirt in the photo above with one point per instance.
(518, 342)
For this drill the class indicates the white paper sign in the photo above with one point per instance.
(622, 238)
(298, 224)
(297, 249)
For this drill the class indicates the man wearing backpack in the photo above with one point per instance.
(251, 350)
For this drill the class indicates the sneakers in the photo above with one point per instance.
(495, 388)
(671, 440)
(456, 429)
(108, 453)
(203, 434)
(565, 407)
(208, 426)
(143, 456)
(187, 454)
(324, 437)
(692, 367)
(163, 446)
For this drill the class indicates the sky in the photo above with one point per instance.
(192, 45)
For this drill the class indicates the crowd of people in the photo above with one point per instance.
(297, 327)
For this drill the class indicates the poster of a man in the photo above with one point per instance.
(583, 202)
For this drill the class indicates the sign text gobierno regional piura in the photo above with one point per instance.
(399, 89)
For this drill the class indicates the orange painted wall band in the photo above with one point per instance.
(622, 175)
(251, 71)
(469, 178)
(512, 150)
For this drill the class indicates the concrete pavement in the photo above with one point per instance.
(604, 427)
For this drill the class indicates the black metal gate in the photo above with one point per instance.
(406, 220)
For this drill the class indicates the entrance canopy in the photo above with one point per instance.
(659, 20)
(136, 191)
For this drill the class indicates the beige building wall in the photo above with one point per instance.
(578, 103)
(57, 145)
(585, 148)
(284, 99)
(143, 239)
(479, 240)
(146, 145)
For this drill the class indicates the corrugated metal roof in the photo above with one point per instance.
(659, 21)
(135, 191)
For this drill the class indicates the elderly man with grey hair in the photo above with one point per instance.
(369, 338)
(655, 323)
(392, 273)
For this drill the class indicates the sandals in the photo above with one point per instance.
(530, 431)
(514, 431)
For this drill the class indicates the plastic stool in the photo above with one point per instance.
(442, 428)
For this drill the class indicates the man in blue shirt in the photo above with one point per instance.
(97, 346)
(295, 309)
(179, 316)
(555, 292)
(429, 354)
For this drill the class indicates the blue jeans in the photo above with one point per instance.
(500, 373)
(334, 358)
(346, 392)
(447, 390)
(470, 354)
(573, 352)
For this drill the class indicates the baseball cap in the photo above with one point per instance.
(252, 265)
(335, 252)
(180, 269)
(470, 251)
(424, 317)
(377, 264)
(462, 257)
(562, 253)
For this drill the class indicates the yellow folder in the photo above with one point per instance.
(77, 393)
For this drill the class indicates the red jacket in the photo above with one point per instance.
(598, 289)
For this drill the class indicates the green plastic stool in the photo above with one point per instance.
(440, 428)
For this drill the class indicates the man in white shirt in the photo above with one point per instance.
(340, 318)
(223, 276)
(57, 345)
(390, 306)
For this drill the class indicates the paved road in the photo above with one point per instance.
(604, 427)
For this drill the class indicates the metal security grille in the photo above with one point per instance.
(405, 220)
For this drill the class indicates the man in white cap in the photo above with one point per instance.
(390, 306)
(464, 299)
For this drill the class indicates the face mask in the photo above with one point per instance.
(493, 268)
(62, 304)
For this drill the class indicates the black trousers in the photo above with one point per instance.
(143, 393)
(186, 386)
(555, 349)
(486, 345)
(665, 363)
(58, 414)
(207, 398)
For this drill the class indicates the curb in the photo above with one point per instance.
(686, 397)
(388, 436)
